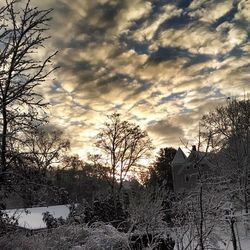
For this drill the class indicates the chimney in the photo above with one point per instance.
(193, 148)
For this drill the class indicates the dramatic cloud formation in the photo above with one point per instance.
(161, 64)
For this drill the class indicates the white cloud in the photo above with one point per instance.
(210, 11)
(101, 72)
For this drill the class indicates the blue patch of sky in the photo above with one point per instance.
(168, 53)
(179, 3)
(152, 122)
(142, 86)
(228, 17)
(217, 93)
(118, 106)
(141, 102)
(155, 94)
(77, 44)
(158, 4)
(172, 53)
(110, 81)
(183, 3)
(205, 71)
(214, 91)
(119, 78)
(220, 57)
(155, 10)
(175, 22)
(55, 85)
(172, 97)
(185, 110)
(235, 52)
(196, 59)
(205, 89)
(139, 48)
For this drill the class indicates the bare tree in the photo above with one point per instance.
(198, 211)
(22, 35)
(229, 126)
(146, 215)
(122, 145)
(44, 145)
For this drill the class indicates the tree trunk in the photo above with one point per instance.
(246, 200)
(113, 182)
(3, 143)
(246, 187)
(234, 240)
(201, 220)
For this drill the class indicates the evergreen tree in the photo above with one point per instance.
(161, 173)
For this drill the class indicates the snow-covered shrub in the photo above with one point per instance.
(68, 237)
(196, 217)
(146, 218)
(52, 222)
(146, 212)
(7, 223)
(80, 213)
(105, 236)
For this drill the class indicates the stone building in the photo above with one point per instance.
(185, 170)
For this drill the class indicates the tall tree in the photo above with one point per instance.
(44, 145)
(22, 35)
(229, 126)
(161, 173)
(122, 145)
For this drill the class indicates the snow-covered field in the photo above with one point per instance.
(32, 218)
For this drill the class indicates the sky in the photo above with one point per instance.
(160, 64)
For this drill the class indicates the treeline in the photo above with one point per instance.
(218, 201)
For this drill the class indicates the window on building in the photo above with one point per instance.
(187, 178)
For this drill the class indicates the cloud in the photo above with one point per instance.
(165, 132)
(162, 64)
(216, 9)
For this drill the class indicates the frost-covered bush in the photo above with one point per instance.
(68, 237)
(7, 223)
(52, 222)
(146, 212)
(106, 237)
(63, 238)
(80, 213)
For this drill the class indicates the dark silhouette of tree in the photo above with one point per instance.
(122, 145)
(161, 172)
(44, 146)
(229, 126)
(80, 179)
(22, 35)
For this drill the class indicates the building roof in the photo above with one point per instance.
(195, 156)
(179, 157)
(32, 218)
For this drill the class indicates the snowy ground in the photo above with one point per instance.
(32, 218)
(242, 228)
